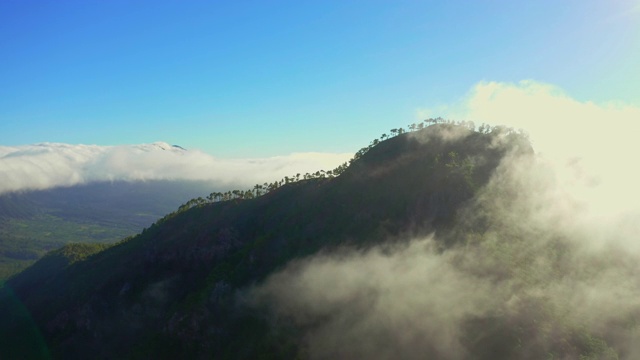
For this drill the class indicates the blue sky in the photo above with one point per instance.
(264, 78)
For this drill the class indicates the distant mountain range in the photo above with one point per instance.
(52, 193)
(421, 248)
(47, 165)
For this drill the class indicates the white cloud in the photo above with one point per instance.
(377, 304)
(547, 261)
(593, 146)
(47, 165)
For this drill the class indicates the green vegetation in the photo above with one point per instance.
(172, 288)
(23, 241)
(263, 189)
(33, 223)
(180, 287)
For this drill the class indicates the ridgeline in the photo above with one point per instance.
(172, 291)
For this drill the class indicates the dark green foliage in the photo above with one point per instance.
(172, 291)
(33, 223)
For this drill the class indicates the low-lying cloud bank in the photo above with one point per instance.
(47, 165)
(546, 265)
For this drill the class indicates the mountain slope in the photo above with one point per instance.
(172, 290)
(34, 222)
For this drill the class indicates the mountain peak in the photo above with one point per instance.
(161, 145)
(173, 290)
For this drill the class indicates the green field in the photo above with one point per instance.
(23, 241)
(33, 223)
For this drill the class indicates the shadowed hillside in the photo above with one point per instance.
(186, 286)
(34, 222)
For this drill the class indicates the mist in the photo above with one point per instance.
(543, 263)
(47, 165)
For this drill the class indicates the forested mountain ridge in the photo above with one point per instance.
(173, 290)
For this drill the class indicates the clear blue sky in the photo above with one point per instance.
(262, 78)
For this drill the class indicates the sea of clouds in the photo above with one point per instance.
(48, 165)
(548, 265)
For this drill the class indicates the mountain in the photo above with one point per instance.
(49, 165)
(288, 274)
(52, 194)
(34, 222)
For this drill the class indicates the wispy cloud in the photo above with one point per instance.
(596, 141)
(47, 165)
(547, 265)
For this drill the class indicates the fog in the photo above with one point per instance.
(46, 165)
(546, 263)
